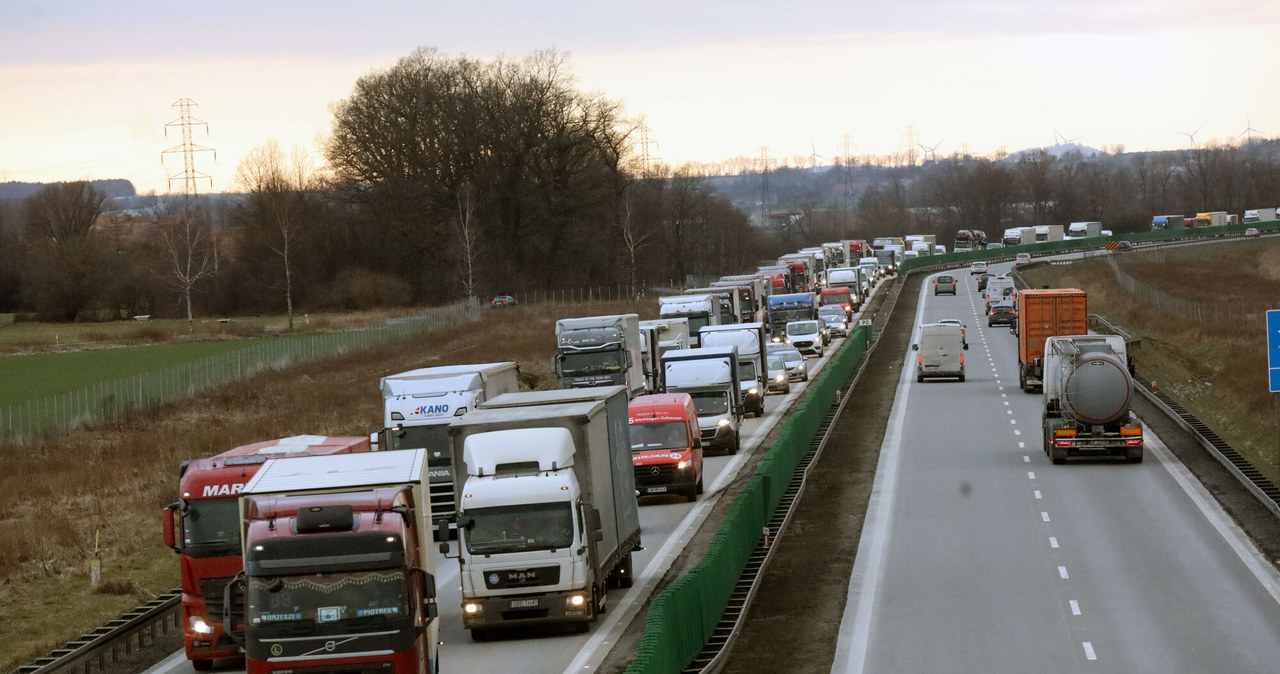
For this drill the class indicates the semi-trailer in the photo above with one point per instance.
(1045, 313)
(206, 515)
(1087, 393)
(549, 517)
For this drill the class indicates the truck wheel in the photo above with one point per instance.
(737, 443)
(202, 665)
(1134, 457)
(919, 379)
(699, 487)
(481, 634)
(961, 377)
(1022, 379)
(622, 576)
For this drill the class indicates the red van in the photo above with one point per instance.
(666, 449)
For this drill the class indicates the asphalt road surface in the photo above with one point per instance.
(979, 555)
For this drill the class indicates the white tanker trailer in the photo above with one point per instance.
(1087, 392)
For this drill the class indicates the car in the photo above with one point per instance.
(1001, 313)
(955, 322)
(1252, 231)
(944, 284)
(1022, 258)
(835, 320)
(995, 245)
(982, 280)
(779, 379)
(805, 336)
(502, 302)
(1124, 245)
(793, 360)
(977, 268)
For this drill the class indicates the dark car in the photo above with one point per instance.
(944, 284)
(982, 280)
(1124, 245)
(1002, 313)
(502, 302)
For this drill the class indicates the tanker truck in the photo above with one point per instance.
(1087, 392)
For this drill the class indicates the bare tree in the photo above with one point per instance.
(190, 259)
(468, 239)
(632, 239)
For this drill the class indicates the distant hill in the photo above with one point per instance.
(1060, 151)
(115, 188)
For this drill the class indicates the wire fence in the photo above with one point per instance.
(113, 400)
(1186, 310)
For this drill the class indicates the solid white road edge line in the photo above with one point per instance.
(855, 624)
(1235, 537)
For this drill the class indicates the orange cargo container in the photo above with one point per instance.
(1042, 314)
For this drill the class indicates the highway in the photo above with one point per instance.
(979, 555)
(667, 525)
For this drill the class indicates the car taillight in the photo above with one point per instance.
(920, 359)
(962, 359)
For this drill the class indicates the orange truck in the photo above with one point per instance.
(1042, 314)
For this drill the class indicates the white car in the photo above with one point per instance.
(805, 336)
(1022, 258)
(794, 362)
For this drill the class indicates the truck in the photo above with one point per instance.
(419, 404)
(549, 516)
(1028, 235)
(923, 243)
(1211, 219)
(802, 266)
(889, 257)
(1088, 386)
(729, 300)
(1045, 233)
(752, 291)
(656, 338)
(1083, 230)
(854, 250)
(880, 242)
(339, 574)
(1045, 313)
(834, 254)
(699, 310)
(970, 239)
(209, 548)
(649, 356)
(843, 296)
(710, 376)
(1160, 223)
(790, 307)
(853, 278)
(753, 376)
(1013, 236)
(781, 277)
(1256, 215)
(599, 351)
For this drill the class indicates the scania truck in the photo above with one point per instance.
(419, 404)
(549, 517)
(206, 514)
(600, 351)
(339, 575)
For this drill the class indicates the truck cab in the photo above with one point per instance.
(710, 376)
(599, 351)
(666, 445)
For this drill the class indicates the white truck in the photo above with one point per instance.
(1083, 230)
(699, 310)
(753, 376)
(549, 516)
(921, 243)
(872, 269)
(599, 351)
(1256, 215)
(751, 295)
(338, 565)
(710, 376)
(657, 337)
(853, 278)
(419, 404)
(730, 301)
(1088, 388)
(834, 254)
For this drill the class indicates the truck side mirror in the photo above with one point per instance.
(442, 535)
(697, 442)
(915, 347)
(431, 610)
(167, 520)
(966, 346)
(555, 365)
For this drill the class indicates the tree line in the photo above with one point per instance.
(445, 178)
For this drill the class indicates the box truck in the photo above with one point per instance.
(753, 377)
(710, 376)
(1045, 313)
(699, 310)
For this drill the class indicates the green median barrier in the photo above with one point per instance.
(682, 617)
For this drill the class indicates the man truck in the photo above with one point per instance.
(1045, 313)
(419, 404)
(1087, 393)
(549, 517)
(600, 351)
(339, 575)
(209, 545)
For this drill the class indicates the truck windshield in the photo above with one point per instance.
(747, 372)
(429, 436)
(520, 528)
(211, 527)
(662, 435)
(327, 598)
(711, 403)
(591, 362)
(834, 298)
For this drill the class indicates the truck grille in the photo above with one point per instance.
(655, 475)
(211, 589)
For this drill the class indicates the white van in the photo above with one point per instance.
(940, 351)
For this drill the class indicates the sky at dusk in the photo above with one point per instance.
(87, 87)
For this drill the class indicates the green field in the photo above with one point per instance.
(33, 376)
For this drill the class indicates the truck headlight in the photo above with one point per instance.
(753, 391)
(682, 465)
(575, 600)
(722, 422)
(199, 626)
(471, 608)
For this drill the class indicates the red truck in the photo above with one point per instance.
(209, 546)
(666, 447)
(1045, 313)
(839, 296)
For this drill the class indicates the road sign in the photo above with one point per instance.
(867, 321)
(1273, 349)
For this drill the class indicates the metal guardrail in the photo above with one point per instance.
(103, 649)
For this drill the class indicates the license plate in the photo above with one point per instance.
(655, 490)
(524, 603)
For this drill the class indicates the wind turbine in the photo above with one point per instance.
(1249, 130)
(1192, 135)
(813, 156)
(1061, 139)
(929, 151)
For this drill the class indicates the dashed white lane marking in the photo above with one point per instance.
(1004, 395)
(1012, 421)
(1001, 388)
(1075, 607)
(1053, 542)
(1026, 459)
(1037, 493)
(1017, 432)
(1022, 445)
(1088, 651)
(1044, 516)
(1031, 474)
(1062, 573)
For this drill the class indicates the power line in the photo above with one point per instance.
(188, 148)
